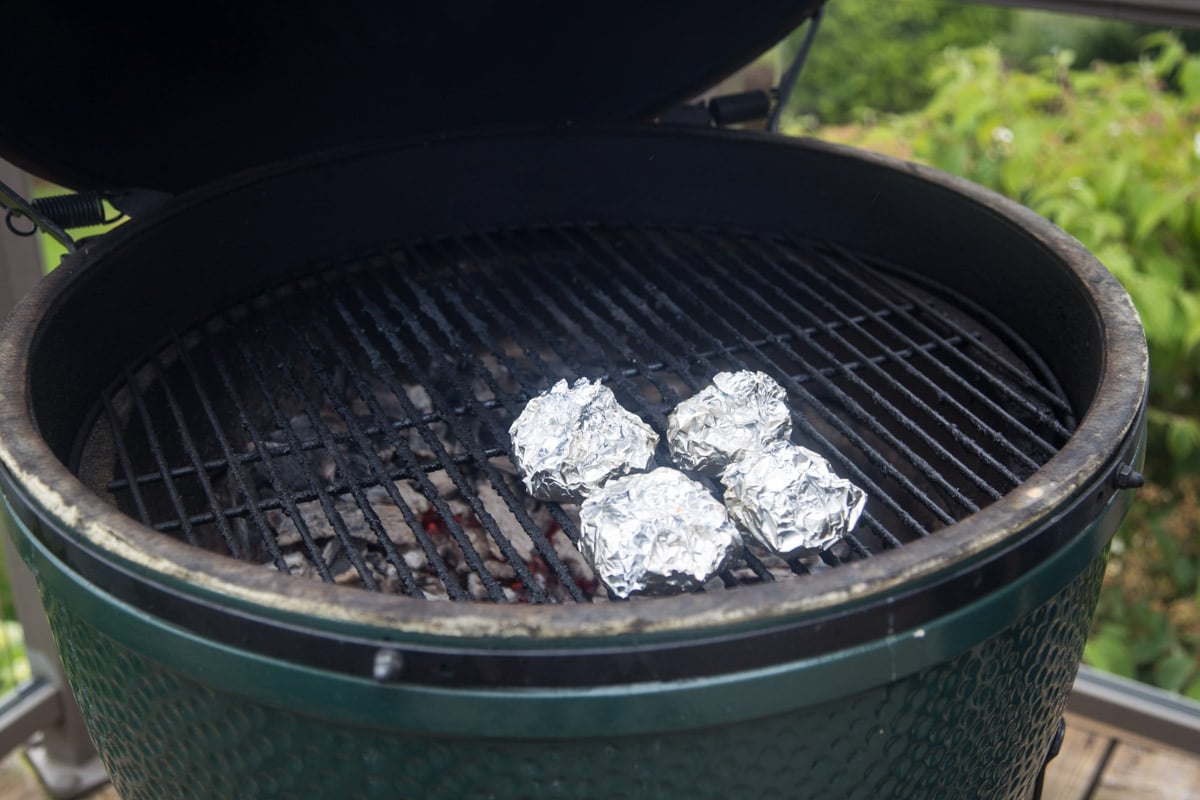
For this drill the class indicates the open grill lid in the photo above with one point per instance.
(133, 97)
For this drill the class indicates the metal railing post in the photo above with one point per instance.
(1185, 13)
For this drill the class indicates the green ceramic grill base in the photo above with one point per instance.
(978, 725)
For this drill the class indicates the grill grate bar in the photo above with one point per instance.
(335, 488)
(364, 446)
(235, 467)
(621, 264)
(937, 417)
(501, 398)
(326, 500)
(565, 523)
(382, 476)
(869, 420)
(612, 336)
(513, 403)
(278, 485)
(571, 332)
(387, 375)
(680, 367)
(635, 298)
(216, 465)
(720, 317)
(122, 453)
(384, 372)
(989, 433)
(432, 311)
(545, 372)
(1026, 383)
(760, 569)
(534, 292)
(256, 370)
(920, 406)
(156, 451)
(193, 455)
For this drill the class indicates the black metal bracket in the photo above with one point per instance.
(18, 206)
(57, 214)
(756, 104)
(1055, 747)
(729, 109)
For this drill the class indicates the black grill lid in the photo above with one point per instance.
(134, 95)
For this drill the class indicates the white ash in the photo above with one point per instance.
(444, 545)
(296, 450)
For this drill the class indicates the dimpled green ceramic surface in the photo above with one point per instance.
(977, 725)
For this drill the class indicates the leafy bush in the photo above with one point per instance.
(869, 54)
(14, 665)
(1148, 622)
(1111, 153)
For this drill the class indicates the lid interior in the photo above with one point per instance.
(131, 98)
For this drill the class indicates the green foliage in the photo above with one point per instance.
(1111, 153)
(14, 666)
(1039, 33)
(1148, 619)
(871, 54)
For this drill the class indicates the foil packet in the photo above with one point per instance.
(737, 413)
(569, 440)
(789, 500)
(657, 532)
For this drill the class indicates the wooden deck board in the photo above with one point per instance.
(1078, 765)
(1098, 762)
(18, 781)
(1137, 773)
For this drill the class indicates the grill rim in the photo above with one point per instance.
(535, 712)
(1087, 461)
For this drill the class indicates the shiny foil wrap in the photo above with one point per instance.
(569, 440)
(737, 413)
(788, 498)
(658, 532)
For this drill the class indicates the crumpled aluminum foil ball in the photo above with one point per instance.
(569, 440)
(788, 498)
(737, 413)
(657, 532)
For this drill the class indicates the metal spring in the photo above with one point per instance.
(79, 210)
(73, 210)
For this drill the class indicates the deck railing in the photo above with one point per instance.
(1184, 13)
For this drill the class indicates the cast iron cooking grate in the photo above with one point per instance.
(351, 426)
